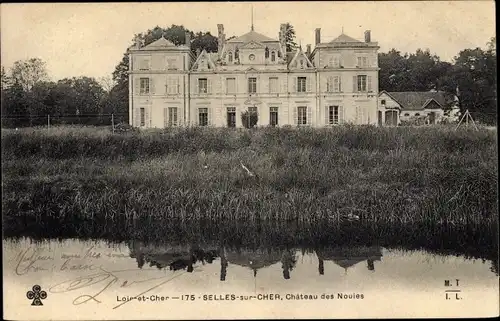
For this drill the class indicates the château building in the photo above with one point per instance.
(335, 83)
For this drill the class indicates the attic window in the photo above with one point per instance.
(301, 64)
(230, 57)
(273, 56)
(382, 101)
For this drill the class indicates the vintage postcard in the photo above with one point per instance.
(248, 160)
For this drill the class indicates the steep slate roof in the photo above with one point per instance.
(417, 100)
(252, 36)
(343, 38)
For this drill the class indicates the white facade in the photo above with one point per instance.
(335, 83)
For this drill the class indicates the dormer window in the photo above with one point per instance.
(230, 57)
(273, 56)
(301, 64)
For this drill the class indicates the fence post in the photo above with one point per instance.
(113, 122)
(48, 121)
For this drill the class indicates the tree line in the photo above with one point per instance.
(29, 96)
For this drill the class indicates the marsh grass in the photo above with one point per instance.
(432, 176)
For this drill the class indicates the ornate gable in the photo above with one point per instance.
(253, 45)
(204, 62)
(300, 61)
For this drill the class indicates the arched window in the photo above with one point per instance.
(301, 64)
(273, 56)
(267, 53)
(230, 56)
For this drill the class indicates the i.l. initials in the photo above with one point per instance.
(456, 291)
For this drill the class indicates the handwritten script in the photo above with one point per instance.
(33, 260)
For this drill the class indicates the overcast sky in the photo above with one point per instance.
(90, 39)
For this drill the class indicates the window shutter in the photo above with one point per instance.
(327, 115)
(165, 115)
(337, 84)
(309, 84)
(209, 116)
(197, 86)
(236, 85)
(369, 81)
(284, 85)
(178, 85)
(354, 84)
(224, 85)
(137, 86)
(295, 122)
(340, 83)
(309, 116)
(151, 86)
(209, 86)
(137, 117)
(341, 114)
(147, 121)
(294, 86)
(267, 85)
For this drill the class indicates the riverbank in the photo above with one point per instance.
(432, 176)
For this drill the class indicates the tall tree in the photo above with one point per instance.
(28, 72)
(290, 37)
(474, 75)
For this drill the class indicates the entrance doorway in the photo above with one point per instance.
(231, 117)
(391, 118)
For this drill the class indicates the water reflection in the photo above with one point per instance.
(346, 257)
(186, 257)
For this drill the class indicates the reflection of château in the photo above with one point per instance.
(185, 257)
(258, 259)
(346, 257)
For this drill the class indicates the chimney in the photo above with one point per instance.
(318, 36)
(221, 40)
(368, 37)
(308, 50)
(283, 36)
(188, 40)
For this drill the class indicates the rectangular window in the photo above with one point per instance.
(362, 61)
(273, 116)
(144, 83)
(230, 85)
(362, 83)
(301, 84)
(333, 115)
(231, 116)
(172, 86)
(273, 85)
(202, 85)
(203, 116)
(252, 85)
(302, 115)
(333, 84)
(172, 116)
(143, 117)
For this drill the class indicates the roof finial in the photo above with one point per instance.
(252, 17)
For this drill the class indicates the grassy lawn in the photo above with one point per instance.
(430, 176)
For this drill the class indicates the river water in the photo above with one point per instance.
(98, 279)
